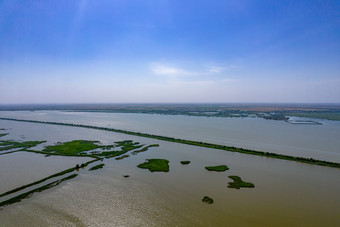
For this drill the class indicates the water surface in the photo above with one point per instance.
(286, 193)
(312, 141)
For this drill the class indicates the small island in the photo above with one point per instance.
(185, 162)
(238, 183)
(207, 200)
(155, 165)
(220, 168)
(73, 147)
(122, 157)
(100, 166)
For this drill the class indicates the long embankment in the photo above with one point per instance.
(195, 143)
(40, 189)
(45, 179)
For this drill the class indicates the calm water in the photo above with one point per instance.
(286, 193)
(22, 168)
(315, 141)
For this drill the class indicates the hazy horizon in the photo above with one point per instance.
(79, 52)
(175, 103)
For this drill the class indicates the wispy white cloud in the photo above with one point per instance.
(194, 82)
(204, 75)
(221, 67)
(167, 70)
(216, 69)
(228, 80)
(170, 70)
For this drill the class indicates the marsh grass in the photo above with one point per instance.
(220, 168)
(73, 147)
(122, 157)
(9, 144)
(3, 134)
(155, 165)
(207, 199)
(100, 166)
(238, 183)
(144, 149)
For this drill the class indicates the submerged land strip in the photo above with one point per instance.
(193, 143)
(43, 180)
(40, 189)
(100, 166)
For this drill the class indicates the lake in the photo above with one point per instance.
(312, 141)
(285, 193)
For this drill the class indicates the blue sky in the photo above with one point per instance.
(136, 51)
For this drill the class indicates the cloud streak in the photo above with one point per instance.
(167, 70)
(170, 70)
(208, 75)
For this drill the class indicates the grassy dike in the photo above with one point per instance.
(195, 143)
(40, 189)
(45, 179)
(3, 134)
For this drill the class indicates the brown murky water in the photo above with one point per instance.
(286, 193)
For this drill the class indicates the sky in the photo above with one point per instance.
(162, 51)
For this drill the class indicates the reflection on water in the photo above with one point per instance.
(286, 193)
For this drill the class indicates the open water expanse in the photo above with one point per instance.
(312, 141)
(286, 193)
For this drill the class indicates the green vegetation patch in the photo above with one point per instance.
(185, 162)
(73, 147)
(144, 149)
(128, 145)
(9, 144)
(125, 146)
(78, 148)
(238, 183)
(207, 199)
(100, 166)
(122, 157)
(220, 168)
(3, 134)
(155, 165)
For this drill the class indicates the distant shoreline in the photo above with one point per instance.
(266, 111)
